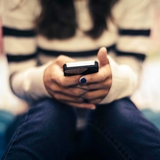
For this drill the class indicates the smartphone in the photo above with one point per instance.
(80, 68)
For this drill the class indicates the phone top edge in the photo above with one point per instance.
(79, 64)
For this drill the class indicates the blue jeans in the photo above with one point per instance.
(116, 131)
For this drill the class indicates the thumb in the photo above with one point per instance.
(102, 56)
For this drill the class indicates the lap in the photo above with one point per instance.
(117, 130)
(127, 130)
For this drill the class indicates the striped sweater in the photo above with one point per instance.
(127, 41)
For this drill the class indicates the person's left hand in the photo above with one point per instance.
(98, 84)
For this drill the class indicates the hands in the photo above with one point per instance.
(98, 84)
(69, 90)
(63, 88)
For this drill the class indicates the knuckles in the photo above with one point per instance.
(52, 78)
(62, 82)
(88, 95)
(103, 76)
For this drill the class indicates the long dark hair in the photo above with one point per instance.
(58, 18)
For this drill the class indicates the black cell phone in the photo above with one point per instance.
(80, 68)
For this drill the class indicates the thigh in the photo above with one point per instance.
(90, 144)
(47, 130)
(125, 131)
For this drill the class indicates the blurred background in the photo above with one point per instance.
(146, 97)
(148, 92)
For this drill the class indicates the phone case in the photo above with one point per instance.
(80, 68)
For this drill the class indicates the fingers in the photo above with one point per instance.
(70, 96)
(92, 95)
(102, 56)
(95, 86)
(104, 70)
(67, 99)
(69, 91)
(83, 105)
(103, 74)
(73, 101)
(68, 81)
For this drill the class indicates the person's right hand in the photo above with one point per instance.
(64, 88)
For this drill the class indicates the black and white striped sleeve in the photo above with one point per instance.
(21, 49)
(134, 21)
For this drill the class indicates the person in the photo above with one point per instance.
(82, 116)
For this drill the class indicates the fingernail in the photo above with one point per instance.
(83, 80)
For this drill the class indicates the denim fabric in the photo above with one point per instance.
(116, 131)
